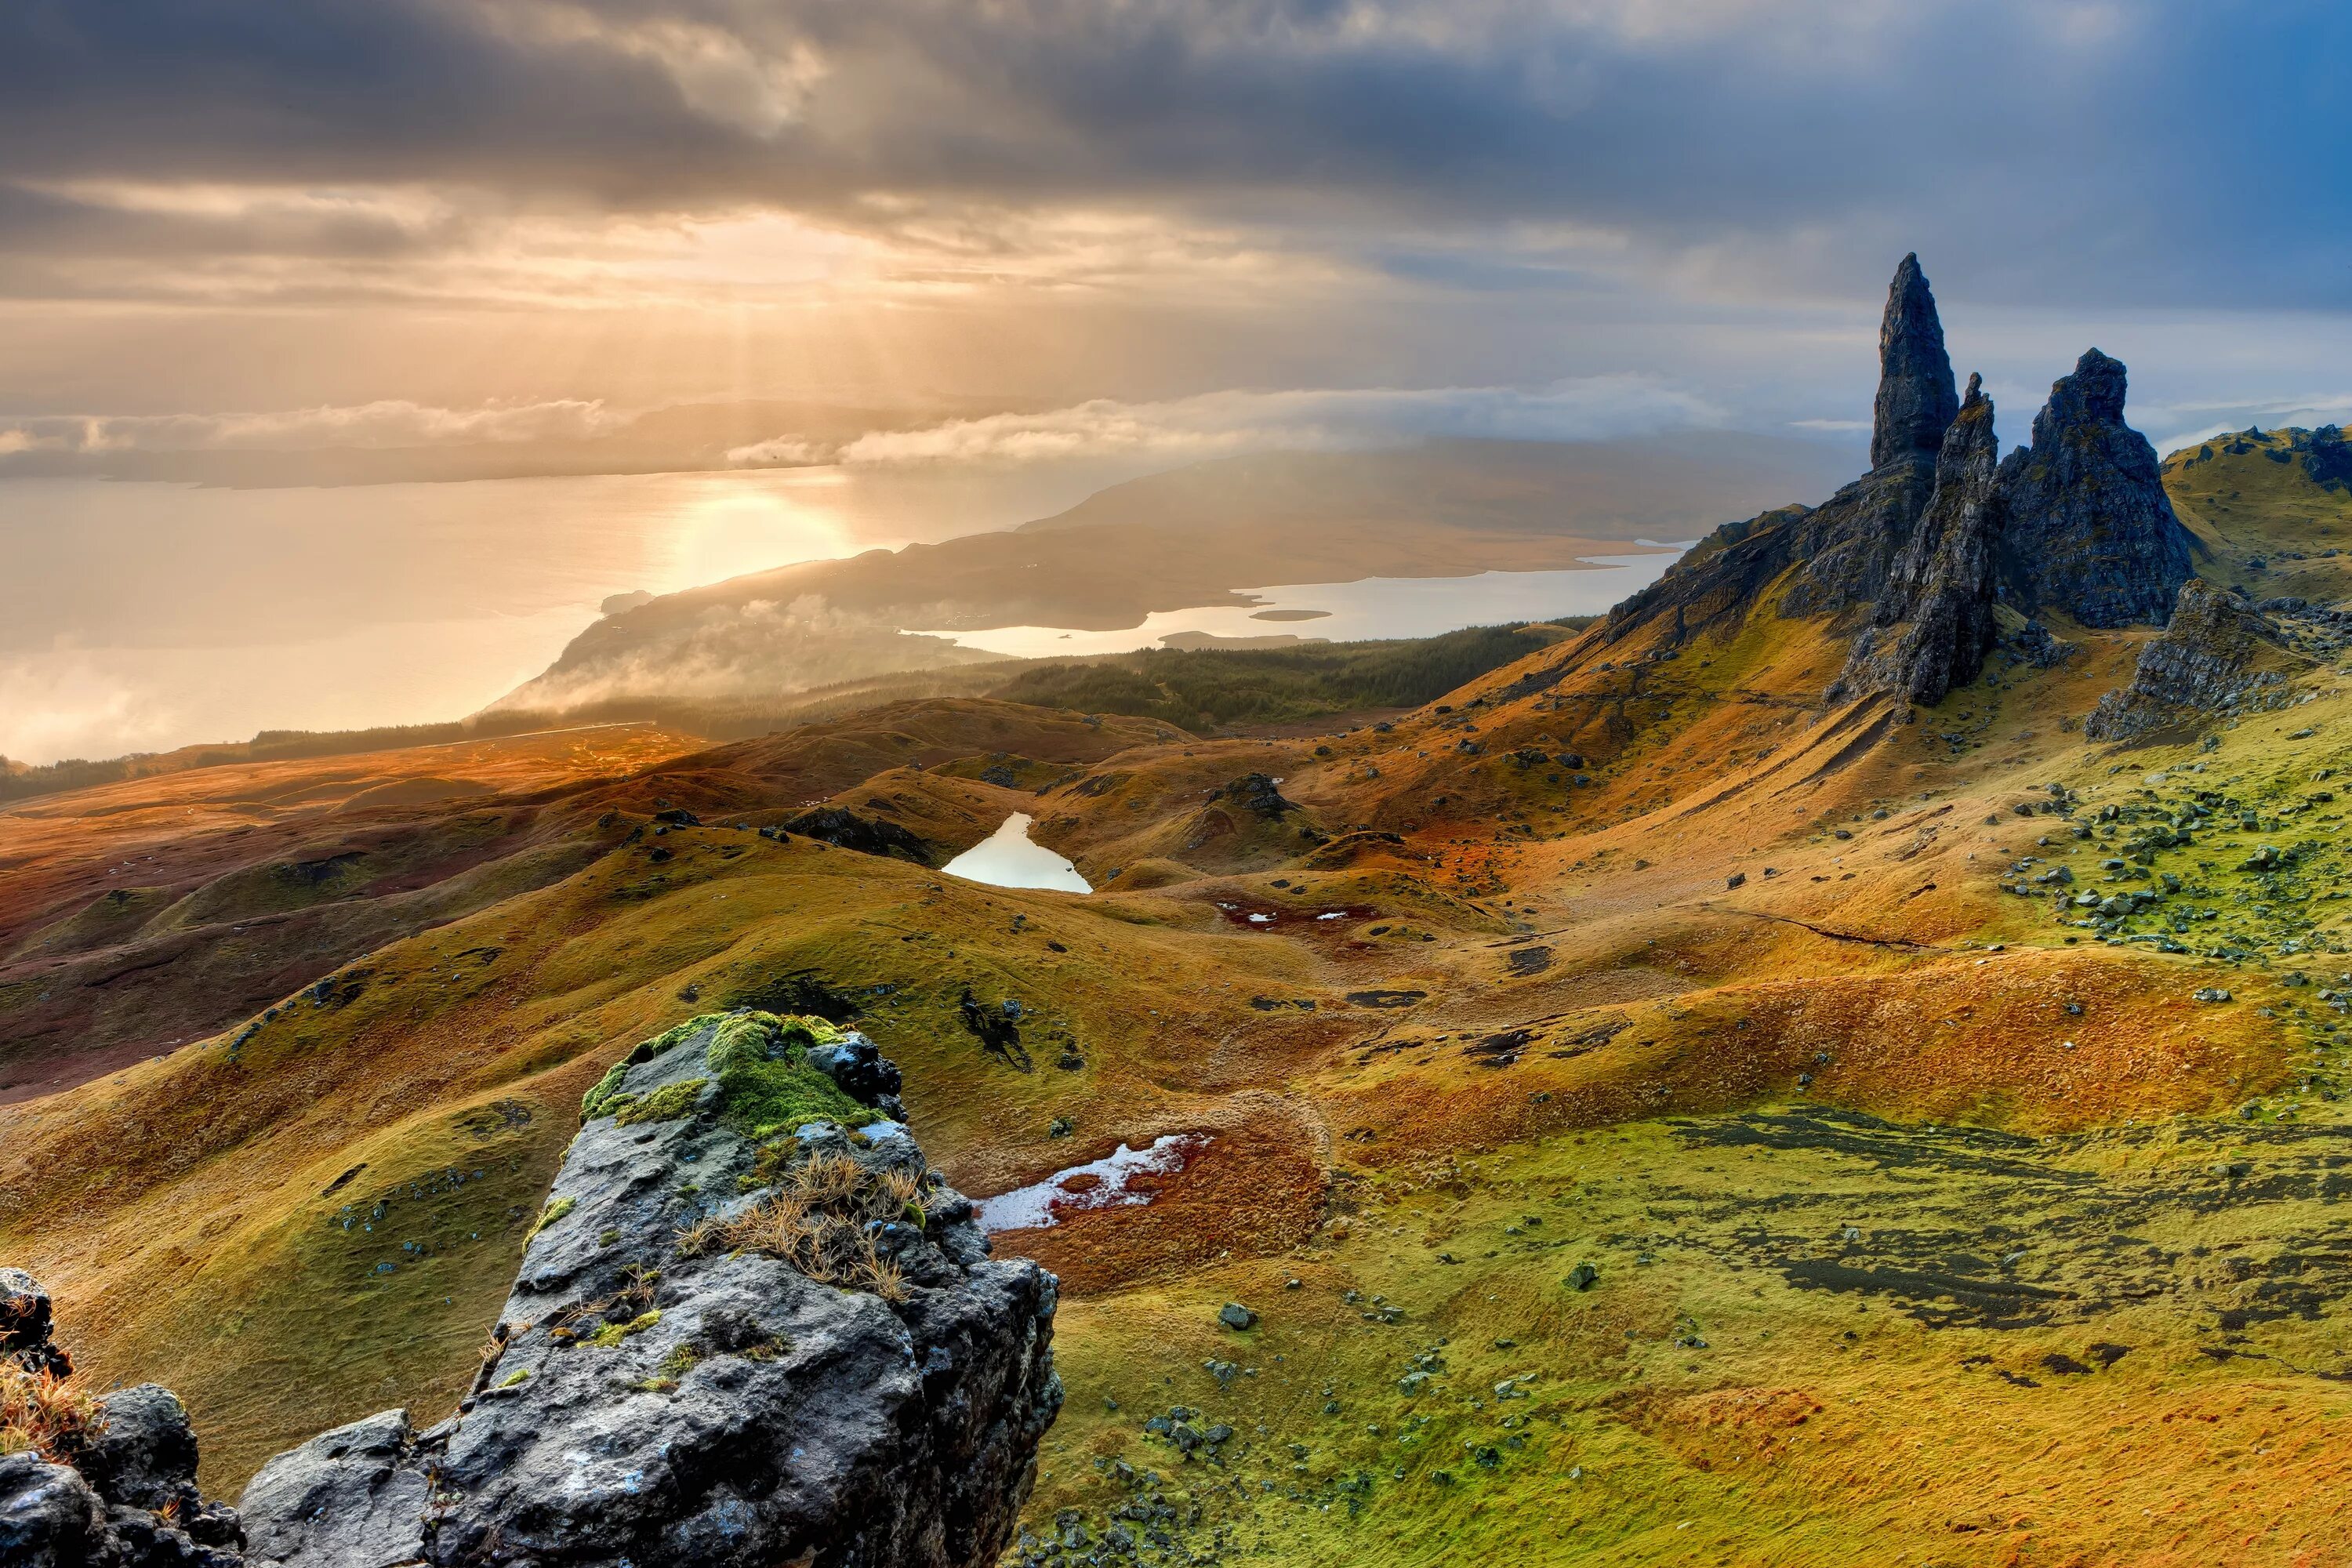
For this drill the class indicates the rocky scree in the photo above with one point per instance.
(751, 1327)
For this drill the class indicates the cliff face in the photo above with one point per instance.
(1940, 530)
(1844, 548)
(2090, 531)
(2204, 664)
(1935, 624)
(752, 1327)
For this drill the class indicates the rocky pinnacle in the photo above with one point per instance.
(2090, 529)
(1916, 397)
(1935, 624)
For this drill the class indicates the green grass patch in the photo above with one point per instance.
(1201, 688)
(612, 1334)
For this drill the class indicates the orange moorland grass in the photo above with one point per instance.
(44, 1413)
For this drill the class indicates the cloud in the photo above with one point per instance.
(2145, 152)
(1218, 424)
(391, 423)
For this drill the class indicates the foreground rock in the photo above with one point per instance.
(113, 1482)
(2089, 528)
(752, 1327)
(2219, 657)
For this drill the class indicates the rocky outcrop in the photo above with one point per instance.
(25, 1327)
(1930, 545)
(751, 1327)
(2217, 656)
(1257, 793)
(1936, 622)
(108, 1483)
(845, 829)
(2090, 531)
(1844, 548)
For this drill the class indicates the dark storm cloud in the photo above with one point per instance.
(2149, 152)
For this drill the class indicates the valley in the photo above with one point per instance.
(1757, 1079)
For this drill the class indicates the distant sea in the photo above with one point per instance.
(141, 617)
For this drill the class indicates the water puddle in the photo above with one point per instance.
(1265, 917)
(1118, 1180)
(1007, 858)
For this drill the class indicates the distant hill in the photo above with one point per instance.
(1177, 541)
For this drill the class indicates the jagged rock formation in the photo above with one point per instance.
(2206, 663)
(117, 1489)
(1916, 402)
(751, 1327)
(1935, 624)
(1929, 542)
(1844, 547)
(2089, 530)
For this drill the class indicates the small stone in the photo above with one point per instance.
(1233, 1315)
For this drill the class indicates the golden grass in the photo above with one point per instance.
(44, 1413)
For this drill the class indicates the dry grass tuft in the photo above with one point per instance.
(817, 1219)
(43, 1414)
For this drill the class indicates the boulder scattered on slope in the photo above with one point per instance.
(751, 1327)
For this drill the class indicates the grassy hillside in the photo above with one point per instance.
(1656, 1118)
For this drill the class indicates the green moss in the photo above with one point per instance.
(516, 1378)
(612, 1334)
(671, 1102)
(593, 1103)
(603, 1098)
(681, 1360)
(550, 1214)
(761, 1092)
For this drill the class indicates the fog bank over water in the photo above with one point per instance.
(143, 617)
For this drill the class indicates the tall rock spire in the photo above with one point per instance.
(1935, 624)
(2090, 529)
(1916, 401)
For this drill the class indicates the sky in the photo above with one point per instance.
(1029, 229)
